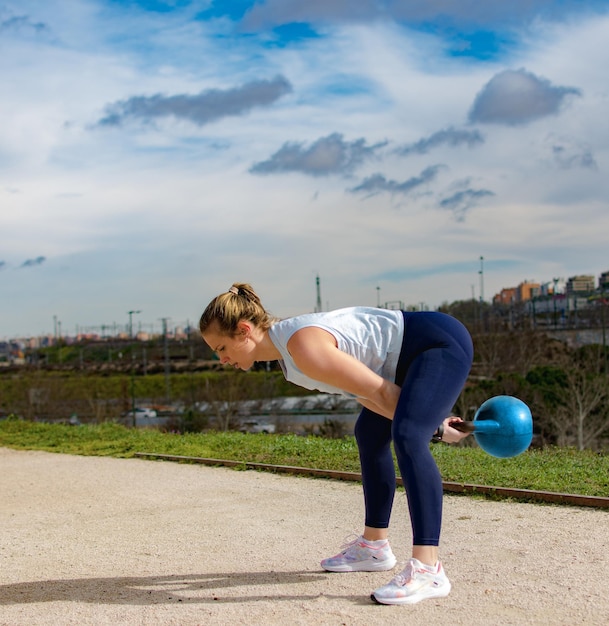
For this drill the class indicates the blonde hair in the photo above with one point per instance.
(239, 303)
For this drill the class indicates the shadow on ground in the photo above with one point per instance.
(188, 589)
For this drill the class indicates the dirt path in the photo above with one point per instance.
(90, 540)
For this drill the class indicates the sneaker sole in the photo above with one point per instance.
(380, 566)
(413, 599)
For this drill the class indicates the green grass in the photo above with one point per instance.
(553, 469)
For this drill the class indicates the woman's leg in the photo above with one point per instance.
(433, 382)
(371, 551)
(373, 436)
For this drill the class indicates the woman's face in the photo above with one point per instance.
(232, 350)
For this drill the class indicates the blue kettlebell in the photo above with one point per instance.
(503, 426)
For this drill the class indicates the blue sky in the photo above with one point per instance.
(154, 152)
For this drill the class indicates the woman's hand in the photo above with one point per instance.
(452, 435)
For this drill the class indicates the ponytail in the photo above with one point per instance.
(239, 303)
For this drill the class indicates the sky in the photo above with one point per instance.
(153, 152)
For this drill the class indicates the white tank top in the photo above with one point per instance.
(373, 336)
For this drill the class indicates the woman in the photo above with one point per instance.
(407, 370)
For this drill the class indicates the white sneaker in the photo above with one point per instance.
(360, 556)
(415, 583)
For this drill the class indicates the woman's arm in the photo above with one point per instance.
(316, 354)
(373, 407)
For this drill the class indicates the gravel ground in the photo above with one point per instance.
(94, 540)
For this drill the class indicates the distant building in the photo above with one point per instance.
(505, 296)
(603, 281)
(180, 333)
(526, 290)
(580, 284)
(546, 289)
(11, 353)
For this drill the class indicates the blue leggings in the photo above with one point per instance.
(434, 363)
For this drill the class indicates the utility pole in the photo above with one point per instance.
(603, 303)
(166, 357)
(555, 280)
(481, 302)
(131, 314)
(318, 307)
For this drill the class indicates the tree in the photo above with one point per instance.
(572, 401)
(517, 352)
(584, 403)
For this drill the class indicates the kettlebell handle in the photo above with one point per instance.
(477, 426)
(463, 427)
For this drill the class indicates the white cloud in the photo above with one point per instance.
(516, 97)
